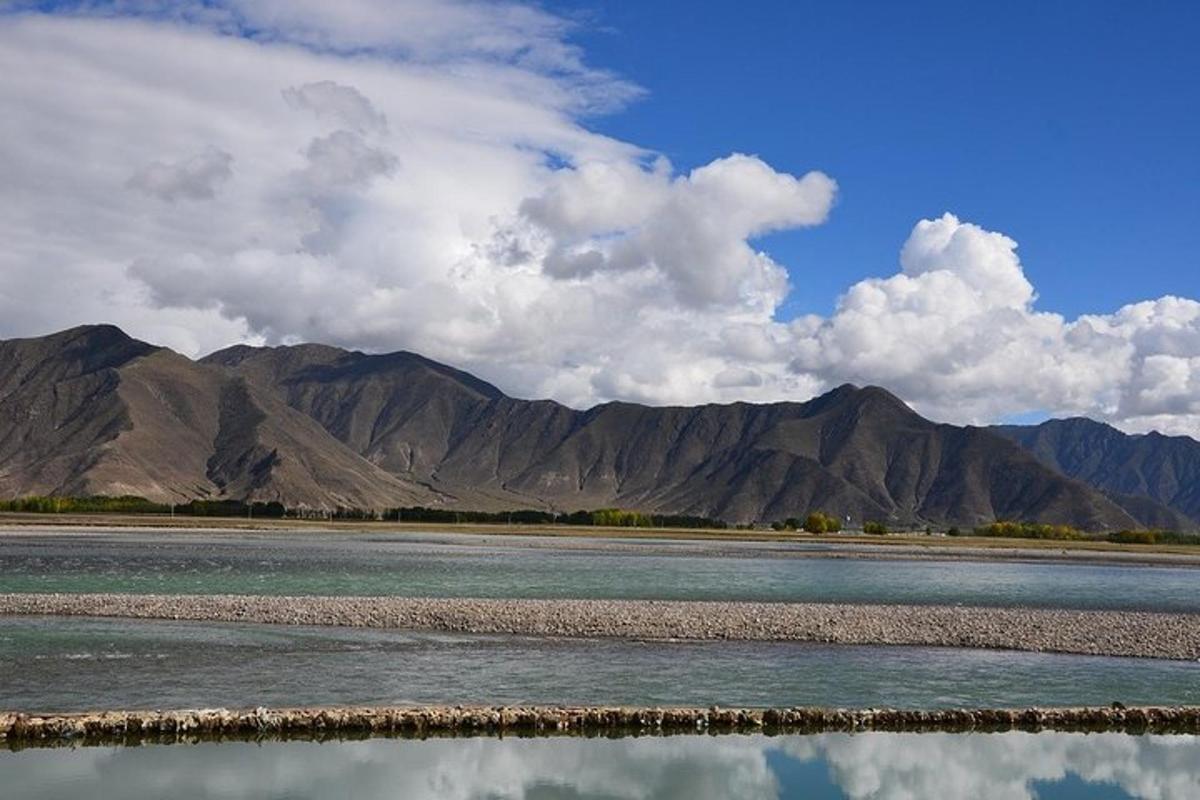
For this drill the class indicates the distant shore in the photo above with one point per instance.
(18, 731)
(790, 543)
(1092, 632)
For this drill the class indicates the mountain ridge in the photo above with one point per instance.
(321, 426)
(1165, 469)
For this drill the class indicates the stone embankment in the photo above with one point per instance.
(1111, 633)
(24, 730)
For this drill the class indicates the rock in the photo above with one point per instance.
(1091, 632)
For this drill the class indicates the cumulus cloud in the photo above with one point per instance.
(692, 230)
(345, 104)
(957, 332)
(195, 178)
(421, 176)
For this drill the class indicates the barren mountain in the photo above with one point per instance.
(854, 452)
(1164, 470)
(92, 411)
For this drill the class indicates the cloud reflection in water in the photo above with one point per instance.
(863, 767)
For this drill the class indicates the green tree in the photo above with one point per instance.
(820, 522)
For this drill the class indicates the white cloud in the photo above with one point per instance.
(691, 230)
(344, 104)
(195, 178)
(956, 332)
(419, 176)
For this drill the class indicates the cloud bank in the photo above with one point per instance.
(422, 176)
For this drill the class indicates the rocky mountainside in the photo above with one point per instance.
(91, 410)
(1162, 469)
(855, 452)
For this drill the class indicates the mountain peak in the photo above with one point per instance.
(327, 364)
(1164, 469)
(91, 335)
(84, 348)
(235, 354)
(851, 395)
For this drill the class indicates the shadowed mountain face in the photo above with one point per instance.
(1148, 469)
(92, 411)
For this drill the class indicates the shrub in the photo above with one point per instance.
(1133, 537)
(820, 522)
(1153, 537)
(1030, 530)
(877, 528)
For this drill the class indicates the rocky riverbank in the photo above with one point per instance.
(130, 727)
(1110, 633)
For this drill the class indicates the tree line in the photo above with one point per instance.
(1032, 530)
(131, 504)
(605, 517)
(816, 522)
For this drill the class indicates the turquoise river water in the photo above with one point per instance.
(430, 565)
(66, 664)
(56, 664)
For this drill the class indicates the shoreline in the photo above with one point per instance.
(667, 540)
(19, 731)
(1157, 635)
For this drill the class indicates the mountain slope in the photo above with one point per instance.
(92, 411)
(1149, 468)
(855, 452)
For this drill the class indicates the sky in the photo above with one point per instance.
(1071, 126)
(990, 210)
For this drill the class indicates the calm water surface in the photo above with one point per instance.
(868, 766)
(57, 664)
(481, 566)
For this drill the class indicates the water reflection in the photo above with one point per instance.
(864, 767)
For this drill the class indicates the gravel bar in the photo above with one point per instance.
(1091, 632)
(18, 731)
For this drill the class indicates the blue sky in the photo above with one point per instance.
(1073, 127)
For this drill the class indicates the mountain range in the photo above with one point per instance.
(91, 410)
